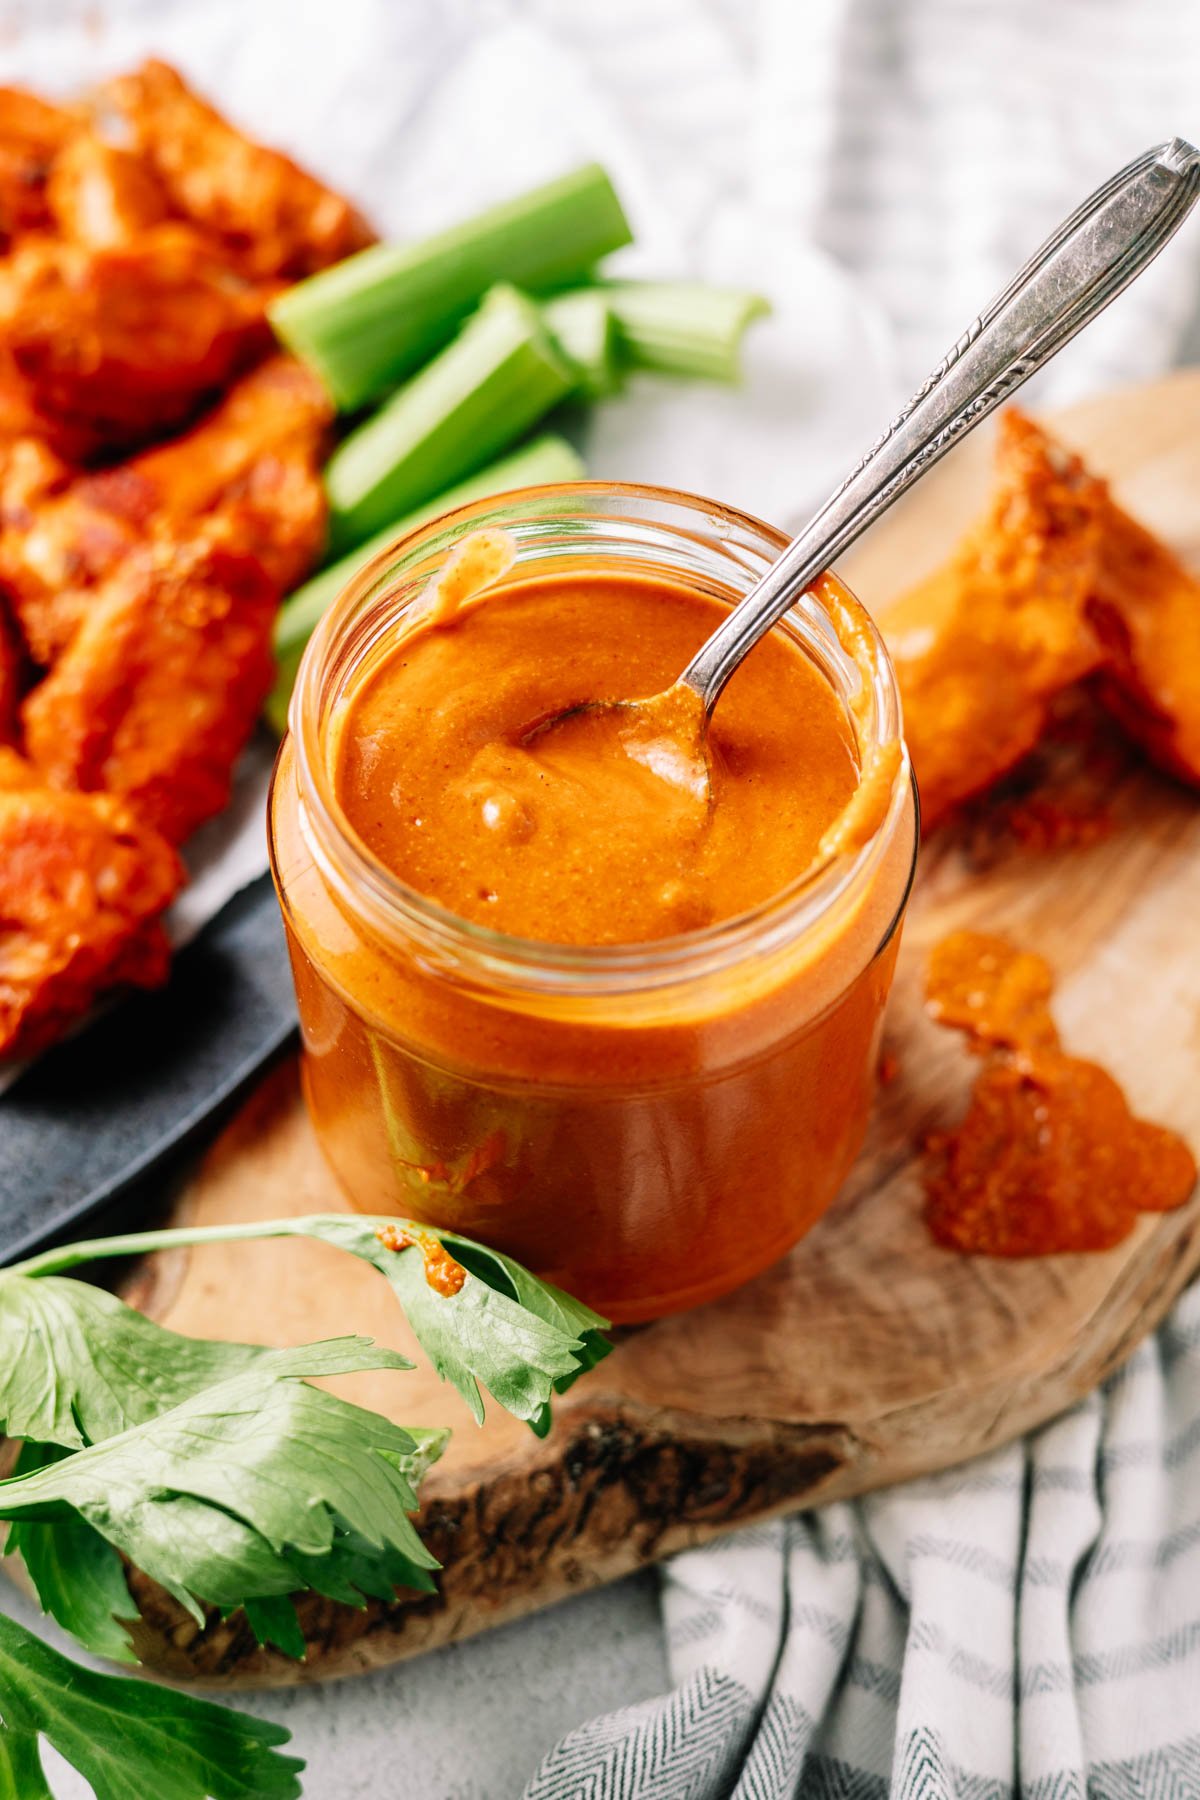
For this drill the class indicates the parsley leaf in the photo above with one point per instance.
(21, 1773)
(274, 1621)
(79, 1365)
(550, 1304)
(224, 1476)
(519, 1337)
(128, 1737)
(79, 1579)
(214, 1498)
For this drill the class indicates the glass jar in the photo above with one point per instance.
(646, 1125)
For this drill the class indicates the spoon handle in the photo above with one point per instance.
(1087, 262)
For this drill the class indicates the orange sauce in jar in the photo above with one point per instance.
(557, 835)
(548, 1000)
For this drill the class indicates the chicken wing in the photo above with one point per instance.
(118, 344)
(29, 472)
(161, 685)
(100, 193)
(268, 432)
(31, 134)
(1145, 608)
(984, 645)
(279, 410)
(273, 217)
(83, 885)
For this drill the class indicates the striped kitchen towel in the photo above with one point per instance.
(1027, 1625)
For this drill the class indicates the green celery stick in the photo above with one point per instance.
(683, 327)
(582, 322)
(372, 319)
(500, 375)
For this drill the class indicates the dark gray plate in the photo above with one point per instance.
(107, 1116)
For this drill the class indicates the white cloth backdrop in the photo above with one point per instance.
(878, 167)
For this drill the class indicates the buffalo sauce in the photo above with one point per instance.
(1049, 1156)
(444, 1274)
(553, 998)
(446, 770)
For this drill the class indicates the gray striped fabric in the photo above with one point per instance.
(1026, 1625)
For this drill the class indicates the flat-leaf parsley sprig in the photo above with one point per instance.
(493, 1324)
(219, 1471)
(128, 1737)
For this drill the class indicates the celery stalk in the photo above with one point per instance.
(683, 327)
(545, 459)
(499, 376)
(583, 325)
(369, 321)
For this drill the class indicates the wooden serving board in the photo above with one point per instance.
(869, 1354)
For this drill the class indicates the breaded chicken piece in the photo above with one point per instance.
(984, 645)
(100, 193)
(272, 217)
(267, 435)
(32, 132)
(161, 685)
(1145, 609)
(83, 885)
(118, 344)
(279, 409)
(30, 473)
(279, 510)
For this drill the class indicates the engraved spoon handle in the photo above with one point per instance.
(1087, 262)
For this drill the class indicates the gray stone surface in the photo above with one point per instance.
(467, 1723)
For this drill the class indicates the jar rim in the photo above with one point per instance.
(366, 884)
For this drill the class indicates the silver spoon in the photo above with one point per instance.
(1087, 262)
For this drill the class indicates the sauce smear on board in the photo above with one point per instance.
(1048, 1157)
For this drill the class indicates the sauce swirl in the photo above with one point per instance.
(577, 834)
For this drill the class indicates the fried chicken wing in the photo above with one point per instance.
(279, 410)
(32, 133)
(273, 217)
(983, 646)
(30, 472)
(278, 509)
(161, 685)
(83, 885)
(143, 237)
(1145, 608)
(118, 344)
(267, 434)
(100, 193)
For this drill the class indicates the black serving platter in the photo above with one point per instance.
(97, 1125)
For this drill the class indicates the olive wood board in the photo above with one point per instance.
(869, 1354)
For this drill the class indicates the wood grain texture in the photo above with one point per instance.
(869, 1354)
